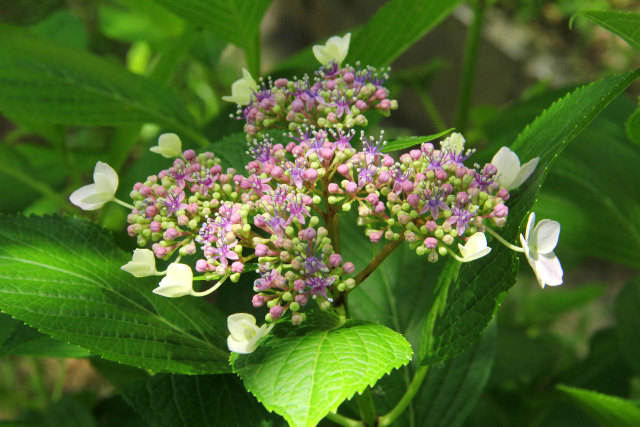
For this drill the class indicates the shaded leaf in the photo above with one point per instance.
(481, 285)
(632, 127)
(409, 141)
(305, 372)
(62, 276)
(43, 81)
(607, 410)
(624, 24)
(381, 41)
(202, 400)
(628, 323)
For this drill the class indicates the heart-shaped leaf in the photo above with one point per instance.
(305, 372)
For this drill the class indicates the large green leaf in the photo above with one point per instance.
(237, 21)
(607, 410)
(43, 81)
(305, 372)
(201, 400)
(17, 338)
(395, 27)
(624, 24)
(450, 390)
(633, 126)
(481, 285)
(585, 176)
(62, 276)
(628, 322)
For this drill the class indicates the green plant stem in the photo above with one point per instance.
(39, 186)
(39, 383)
(58, 385)
(431, 109)
(474, 36)
(503, 241)
(380, 256)
(252, 55)
(406, 399)
(344, 421)
(367, 407)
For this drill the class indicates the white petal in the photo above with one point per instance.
(142, 264)
(545, 235)
(548, 270)
(238, 324)
(177, 283)
(335, 49)
(530, 223)
(83, 198)
(241, 347)
(105, 178)
(242, 89)
(171, 290)
(453, 143)
(525, 171)
(169, 146)
(476, 247)
(508, 165)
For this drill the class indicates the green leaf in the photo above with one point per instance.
(28, 341)
(624, 24)
(605, 409)
(305, 372)
(632, 127)
(628, 322)
(62, 276)
(584, 176)
(202, 400)
(232, 150)
(44, 81)
(481, 285)
(451, 390)
(237, 21)
(395, 27)
(409, 141)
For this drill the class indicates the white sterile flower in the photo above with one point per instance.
(454, 143)
(242, 89)
(142, 264)
(177, 283)
(169, 146)
(245, 334)
(510, 174)
(335, 49)
(476, 247)
(103, 190)
(538, 243)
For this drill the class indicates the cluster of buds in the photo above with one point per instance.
(280, 218)
(336, 97)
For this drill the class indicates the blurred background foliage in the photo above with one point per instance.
(583, 334)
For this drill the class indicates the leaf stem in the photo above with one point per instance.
(406, 399)
(211, 289)
(431, 109)
(367, 407)
(503, 241)
(380, 256)
(121, 203)
(344, 421)
(469, 65)
(37, 185)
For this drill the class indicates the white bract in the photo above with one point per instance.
(510, 174)
(169, 146)
(476, 247)
(177, 283)
(103, 190)
(242, 89)
(142, 264)
(454, 143)
(538, 243)
(245, 334)
(335, 49)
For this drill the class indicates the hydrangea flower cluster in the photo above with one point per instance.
(279, 219)
(336, 97)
